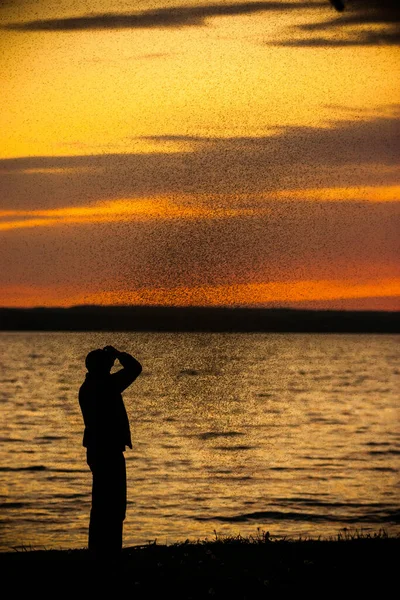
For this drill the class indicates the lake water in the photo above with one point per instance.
(291, 434)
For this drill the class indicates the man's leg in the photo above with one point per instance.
(117, 504)
(97, 509)
(108, 504)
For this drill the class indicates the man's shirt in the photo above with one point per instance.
(100, 398)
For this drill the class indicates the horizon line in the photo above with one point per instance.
(202, 307)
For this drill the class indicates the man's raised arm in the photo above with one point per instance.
(131, 369)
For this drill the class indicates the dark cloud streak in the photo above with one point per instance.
(382, 13)
(359, 12)
(346, 153)
(173, 17)
(387, 38)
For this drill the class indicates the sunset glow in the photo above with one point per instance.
(223, 153)
(118, 210)
(262, 294)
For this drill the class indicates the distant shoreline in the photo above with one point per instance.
(198, 319)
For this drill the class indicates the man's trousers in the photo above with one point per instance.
(108, 502)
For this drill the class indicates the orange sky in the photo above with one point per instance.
(199, 153)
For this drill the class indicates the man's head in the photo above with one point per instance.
(99, 362)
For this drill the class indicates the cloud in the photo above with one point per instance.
(185, 208)
(386, 38)
(171, 17)
(374, 140)
(290, 241)
(360, 12)
(349, 29)
(384, 14)
(354, 152)
(117, 211)
(275, 293)
(250, 294)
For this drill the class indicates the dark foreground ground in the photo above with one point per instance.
(349, 566)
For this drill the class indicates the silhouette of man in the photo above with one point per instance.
(106, 436)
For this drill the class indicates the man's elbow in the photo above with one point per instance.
(135, 368)
(130, 363)
(138, 368)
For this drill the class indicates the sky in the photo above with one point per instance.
(200, 153)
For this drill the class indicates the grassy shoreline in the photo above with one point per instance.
(254, 567)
